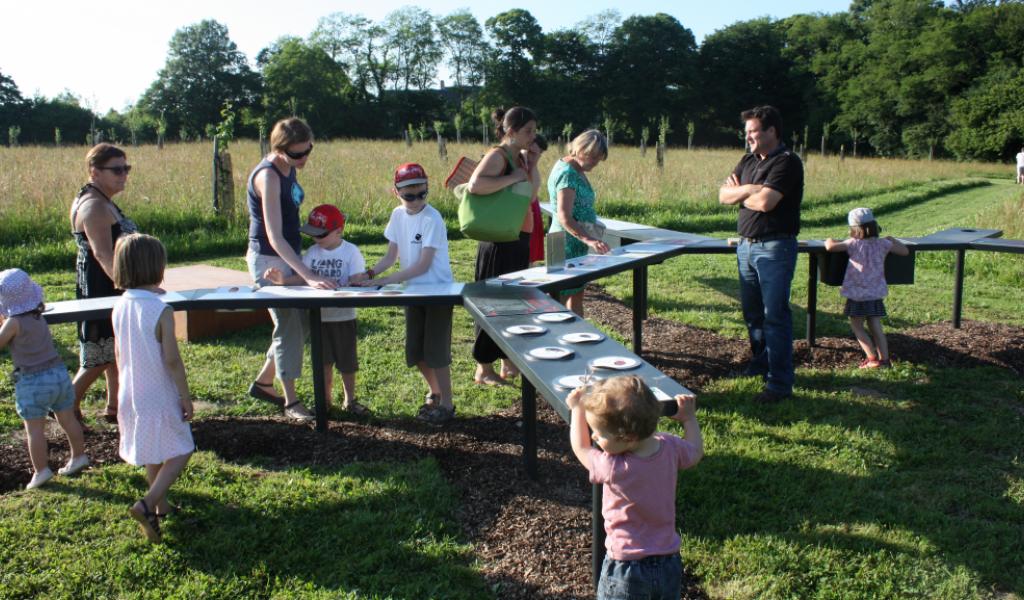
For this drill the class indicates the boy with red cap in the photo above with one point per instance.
(340, 261)
(418, 239)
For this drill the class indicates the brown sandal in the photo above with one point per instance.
(149, 523)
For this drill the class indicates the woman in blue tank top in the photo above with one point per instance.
(274, 196)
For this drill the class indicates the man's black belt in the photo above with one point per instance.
(768, 237)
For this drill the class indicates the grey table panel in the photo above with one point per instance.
(543, 373)
(1000, 245)
(951, 239)
(100, 308)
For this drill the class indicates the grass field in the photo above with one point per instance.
(916, 492)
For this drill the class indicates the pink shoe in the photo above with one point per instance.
(869, 363)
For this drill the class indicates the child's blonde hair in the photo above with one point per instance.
(623, 406)
(867, 230)
(139, 260)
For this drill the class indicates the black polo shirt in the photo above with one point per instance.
(782, 171)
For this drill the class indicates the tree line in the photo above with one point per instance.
(886, 77)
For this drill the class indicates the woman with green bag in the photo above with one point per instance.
(502, 167)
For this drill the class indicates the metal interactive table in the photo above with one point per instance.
(495, 308)
(276, 297)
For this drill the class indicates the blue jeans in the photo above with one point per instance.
(35, 394)
(766, 275)
(651, 577)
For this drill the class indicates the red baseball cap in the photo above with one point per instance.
(409, 174)
(323, 220)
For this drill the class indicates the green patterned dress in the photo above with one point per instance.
(563, 176)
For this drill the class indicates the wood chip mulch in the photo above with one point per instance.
(532, 537)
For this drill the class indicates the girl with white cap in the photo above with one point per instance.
(864, 284)
(41, 381)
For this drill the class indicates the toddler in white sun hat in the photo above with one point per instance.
(41, 382)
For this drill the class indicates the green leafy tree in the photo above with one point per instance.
(204, 70)
(300, 70)
(416, 52)
(518, 45)
(650, 70)
(988, 120)
(465, 48)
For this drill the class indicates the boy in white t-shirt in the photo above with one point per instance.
(418, 239)
(341, 262)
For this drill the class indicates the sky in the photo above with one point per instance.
(107, 54)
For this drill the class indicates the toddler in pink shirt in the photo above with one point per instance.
(637, 467)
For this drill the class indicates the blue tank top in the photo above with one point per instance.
(291, 197)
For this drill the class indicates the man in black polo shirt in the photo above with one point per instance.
(768, 185)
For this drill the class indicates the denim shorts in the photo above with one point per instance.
(658, 577)
(35, 394)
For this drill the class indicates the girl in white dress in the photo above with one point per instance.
(154, 405)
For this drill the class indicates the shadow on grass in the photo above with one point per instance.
(930, 464)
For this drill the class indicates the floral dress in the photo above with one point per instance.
(563, 176)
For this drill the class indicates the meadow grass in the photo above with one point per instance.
(903, 484)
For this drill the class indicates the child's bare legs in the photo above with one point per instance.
(348, 383)
(329, 385)
(574, 303)
(160, 478)
(430, 378)
(73, 430)
(35, 437)
(440, 381)
(875, 324)
(857, 325)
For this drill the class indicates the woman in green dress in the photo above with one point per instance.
(573, 197)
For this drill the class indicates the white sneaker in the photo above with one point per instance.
(297, 411)
(74, 465)
(39, 478)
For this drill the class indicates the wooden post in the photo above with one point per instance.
(442, 148)
(661, 156)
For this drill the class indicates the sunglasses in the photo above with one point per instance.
(414, 197)
(298, 155)
(118, 170)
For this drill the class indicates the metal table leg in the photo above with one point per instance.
(639, 308)
(597, 534)
(317, 366)
(529, 428)
(812, 298)
(958, 290)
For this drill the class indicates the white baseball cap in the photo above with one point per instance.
(860, 216)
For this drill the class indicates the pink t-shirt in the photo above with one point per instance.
(639, 506)
(865, 273)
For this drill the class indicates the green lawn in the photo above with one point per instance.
(902, 484)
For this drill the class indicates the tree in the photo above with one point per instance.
(569, 76)
(417, 54)
(518, 45)
(651, 70)
(362, 47)
(988, 120)
(295, 69)
(12, 104)
(465, 48)
(204, 71)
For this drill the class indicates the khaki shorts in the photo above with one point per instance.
(338, 340)
(428, 336)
